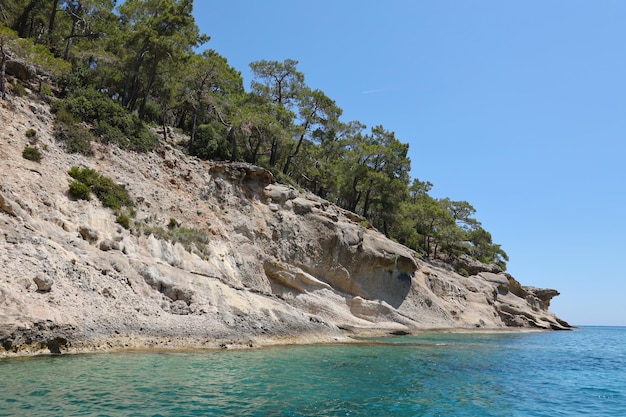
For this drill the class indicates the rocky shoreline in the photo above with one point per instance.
(159, 344)
(217, 254)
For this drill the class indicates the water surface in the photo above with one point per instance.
(579, 373)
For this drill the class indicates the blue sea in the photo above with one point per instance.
(577, 373)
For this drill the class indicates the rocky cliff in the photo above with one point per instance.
(272, 264)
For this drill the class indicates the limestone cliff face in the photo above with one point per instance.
(279, 264)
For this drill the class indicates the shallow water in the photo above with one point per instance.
(579, 373)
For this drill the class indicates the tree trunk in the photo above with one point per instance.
(22, 25)
(75, 14)
(355, 197)
(293, 155)
(232, 136)
(151, 80)
(194, 125)
(255, 149)
(130, 87)
(3, 73)
(366, 202)
(274, 152)
(70, 39)
(53, 14)
(298, 146)
(164, 122)
(181, 118)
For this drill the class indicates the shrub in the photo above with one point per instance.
(41, 56)
(75, 138)
(112, 123)
(81, 107)
(463, 272)
(211, 142)
(123, 220)
(32, 154)
(31, 133)
(87, 176)
(46, 90)
(173, 224)
(80, 191)
(62, 115)
(110, 134)
(152, 113)
(19, 90)
(112, 195)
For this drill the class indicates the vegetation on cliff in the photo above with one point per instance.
(115, 70)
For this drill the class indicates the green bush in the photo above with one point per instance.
(31, 133)
(62, 115)
(463, 272)
(32, 154)
(111, 195)
(173, 224)
(87, 176)
(111, 122)
(80, 191)
(75, 138)
(123, 220)
(110, 134)
(19, 90)
(46, 90)
(81, 107)
(211, 142)
(152, 113)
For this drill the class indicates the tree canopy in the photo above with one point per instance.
(119, 67)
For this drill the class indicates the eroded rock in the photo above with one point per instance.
(44, 283)
(20, 70)
(249, 260)
(6, 207)
(89, 234)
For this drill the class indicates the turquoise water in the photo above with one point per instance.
(580, 373)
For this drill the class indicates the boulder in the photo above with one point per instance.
(20, 70)
(44, 283)
(472, 266)
(6, 207)
(88, 234)
(108, 244)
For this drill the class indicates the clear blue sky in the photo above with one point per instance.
(516, 107)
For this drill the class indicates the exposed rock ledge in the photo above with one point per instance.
(281, 266)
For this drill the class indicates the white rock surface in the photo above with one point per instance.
(279, 266)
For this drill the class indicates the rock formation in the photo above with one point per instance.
(274, 265)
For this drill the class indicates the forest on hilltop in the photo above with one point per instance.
(110, 71)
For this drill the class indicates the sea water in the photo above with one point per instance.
(577, 373)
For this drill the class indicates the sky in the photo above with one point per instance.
(517, 107)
